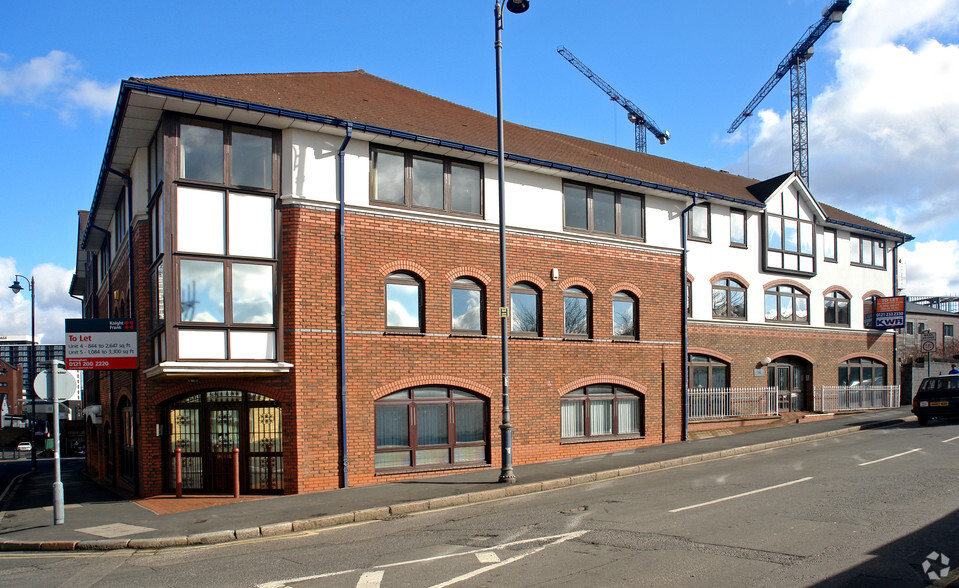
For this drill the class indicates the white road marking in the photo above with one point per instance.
(890, 457)
(750, 493)
(948, 440)
(370, 579)
(487, 557)
(551, 539)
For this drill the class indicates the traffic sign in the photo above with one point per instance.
(927, 346)
(66, 385)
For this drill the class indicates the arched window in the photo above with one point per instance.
(707, 372)
(862, 371)
(577, 313)
(601, 410)
(404, 303)
(836, 309)
(729, 299)
(431, 426)
(625, 316)
(786, 304)
(524, 302)
(468, 306)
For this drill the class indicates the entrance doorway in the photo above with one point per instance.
(792, 377)
(208, 426)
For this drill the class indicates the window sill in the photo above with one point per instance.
(468, 335)
(406, 333)
(739, 245)
(625, 339)
(698, 239)
(575, 338)
(602, 439)
(434, 468)
(835, 325)
(524, 336)
(729, 318)
(217, 368)
(867, 266)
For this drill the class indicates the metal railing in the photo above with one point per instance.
(729, 403)
(842, 398)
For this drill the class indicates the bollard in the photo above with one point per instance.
(236, 473)
(179, 472)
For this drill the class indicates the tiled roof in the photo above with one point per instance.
(359, 97)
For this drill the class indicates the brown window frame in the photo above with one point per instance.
(447, 163)
(403, 278)
(617, 204)
(730, 285)
(780, 293)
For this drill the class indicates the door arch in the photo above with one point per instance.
(207, 426)
(791, 375)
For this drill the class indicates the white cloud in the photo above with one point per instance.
(53, 302)
(54, 81)
(931, 268)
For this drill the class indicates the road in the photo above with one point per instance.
(863, 510)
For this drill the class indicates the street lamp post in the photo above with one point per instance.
(506, 427)
(16, 287)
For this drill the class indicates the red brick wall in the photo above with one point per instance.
(747, 345)
(540, 369)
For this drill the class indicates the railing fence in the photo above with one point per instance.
(725, 403)
(843, 398)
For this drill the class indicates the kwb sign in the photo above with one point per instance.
(890, 313)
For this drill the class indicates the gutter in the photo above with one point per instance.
(341, 294)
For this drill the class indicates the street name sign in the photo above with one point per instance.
(101, 344)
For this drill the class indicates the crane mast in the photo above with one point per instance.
(795, 65)
(635, 115)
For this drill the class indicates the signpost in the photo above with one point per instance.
(57, 385)
(101, 344)
(927, 344)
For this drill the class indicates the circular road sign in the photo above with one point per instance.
(66, 385)
(927, 346)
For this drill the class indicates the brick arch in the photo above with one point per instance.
(732, 275)
(786, 282)
(872, 293)
(627, 287)
(527, 277)
(867, 354)
(416, 381)
(690, 277)
(615, 380)
(837, 289)
(780, 354)
(581, 282)
(468, 271)
(407, 266)
(711, 353)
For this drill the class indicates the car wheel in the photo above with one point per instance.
(923, 421)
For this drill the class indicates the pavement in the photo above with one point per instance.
(97, 518)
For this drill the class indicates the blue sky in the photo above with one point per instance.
(883, 92)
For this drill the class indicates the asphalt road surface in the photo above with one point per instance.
(878, 508)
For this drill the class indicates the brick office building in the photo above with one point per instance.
(229, 199)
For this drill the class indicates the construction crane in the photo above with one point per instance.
(795, 64)
(633, 113)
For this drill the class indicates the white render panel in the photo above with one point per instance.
(706, 260)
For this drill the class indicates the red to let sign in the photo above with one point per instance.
(101, 344)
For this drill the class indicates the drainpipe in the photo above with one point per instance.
(895, 332)
(128, 188)
(110, 375)
(685, 337)
(341, 294)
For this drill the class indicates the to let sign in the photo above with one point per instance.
(890, 313)
(101, 344)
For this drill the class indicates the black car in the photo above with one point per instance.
(938, 397)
